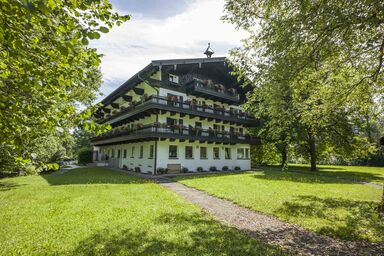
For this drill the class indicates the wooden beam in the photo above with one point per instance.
(115, 105)
(138, 91)
(127, 98)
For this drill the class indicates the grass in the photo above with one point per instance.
(325, 204)
(95, 211)
(352, 173)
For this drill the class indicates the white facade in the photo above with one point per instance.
(129, 155)
(189, 130)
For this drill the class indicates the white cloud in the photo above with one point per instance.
(134, 44)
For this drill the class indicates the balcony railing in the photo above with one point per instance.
(215, 91)
(187, 107)
(173, 132)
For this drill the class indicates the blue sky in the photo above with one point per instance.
(162, 29)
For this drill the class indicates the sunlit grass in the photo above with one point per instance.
(327, 205)
(94, 211)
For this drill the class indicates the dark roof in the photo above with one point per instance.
(151, 68)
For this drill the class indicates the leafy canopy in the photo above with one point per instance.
(316, 68)
(47, 69)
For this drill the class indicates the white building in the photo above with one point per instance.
(177, 115)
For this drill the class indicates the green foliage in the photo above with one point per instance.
(265, 153)
(47, 71)
(161, 170)
(212, 168)
(315, 69)
(84, 156)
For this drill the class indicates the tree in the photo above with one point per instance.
(47, 69)
(328, 54)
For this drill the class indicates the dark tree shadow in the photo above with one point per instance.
(207, 238)
(92, 175)
(359, 218)
(300, 177)
(5, 186)
(332, 172)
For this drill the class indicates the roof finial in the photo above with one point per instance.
(209, 51)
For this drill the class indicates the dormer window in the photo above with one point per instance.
(173, 79)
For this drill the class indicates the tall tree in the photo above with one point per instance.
(47, 68)
(328, 53)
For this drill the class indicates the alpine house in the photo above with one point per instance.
(176, 115)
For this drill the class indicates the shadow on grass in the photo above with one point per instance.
(332, 172)
(5, 186)
(92, 175)
(174, 234)
(348, 219)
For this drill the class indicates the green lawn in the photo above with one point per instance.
(94, 211)
(355, 173)
(324, 204)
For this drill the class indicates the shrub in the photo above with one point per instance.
(161, 170)
(225, 168)
(137, 169)
(213, 168)
(125, 167)
(184, 169)
(84, 156)
(30, 170)
(199, 169)
(237, 168)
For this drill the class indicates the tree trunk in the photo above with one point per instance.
(312, 150)
(381, 206)
(284, 157)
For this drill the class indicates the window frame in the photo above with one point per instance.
(218, 153)
(229, 153)
(191, 148)
(206, 155)
(151, 151)
(141, 152)
(133, 152)
(118, 153)
(176, 151)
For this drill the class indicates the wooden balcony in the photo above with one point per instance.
(162, 131)
(184, 108)
(214, 92)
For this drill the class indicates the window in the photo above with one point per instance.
(151, 151)
(113, 153)
(240, 153)
(118, 153)
(243, 153)
(227, 153)
(133, 152)
(189, 152)
(172, 151)
(125, 153)
(141, 151)
(203, 152)
(173, 79)
(216, 153)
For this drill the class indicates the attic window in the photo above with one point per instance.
(173, 79)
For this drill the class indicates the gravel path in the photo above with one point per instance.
(269, 229)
